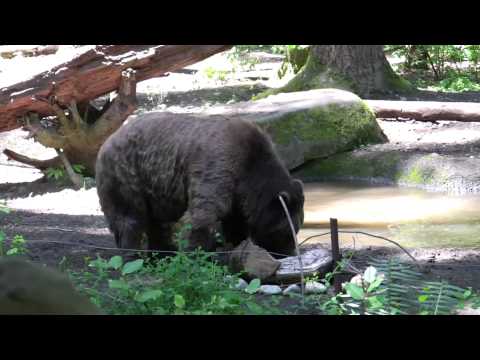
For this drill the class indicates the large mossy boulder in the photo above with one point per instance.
(311, 124)
(394, 165)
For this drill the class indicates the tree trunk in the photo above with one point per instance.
(77, 129)
(93, 74)
(426, 110)
(362, 69)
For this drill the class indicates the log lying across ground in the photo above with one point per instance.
(426, 110)
(95, 73)
(9, 52)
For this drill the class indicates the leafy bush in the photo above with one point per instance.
(388, 287)
(181, 284)
(444, 67)
(58, 173)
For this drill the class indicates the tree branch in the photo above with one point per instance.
(120, 108)
(39, 164)
(94, 73)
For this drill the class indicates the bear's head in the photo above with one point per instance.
(272, 230)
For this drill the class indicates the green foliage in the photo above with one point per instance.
(4, 209)
(452, 68)
(78, 168)
(55, 173)
(214, 74)
(58, 173)
(388, 287)
(18, 243)
(182, 284)
(295, 56)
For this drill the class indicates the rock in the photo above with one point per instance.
(241, 284)
(311, 124)
(27, 288)
(294, 288)
(468, 310)
(314, 287)
(388, 164)
(255, 261)
(270, 289)
(315, 261)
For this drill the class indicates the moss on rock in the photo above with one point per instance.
(315, 75)
(311, 124)
(376, 164)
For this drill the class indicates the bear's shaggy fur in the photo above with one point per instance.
(161, 168)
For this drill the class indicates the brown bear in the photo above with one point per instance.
(161, 168)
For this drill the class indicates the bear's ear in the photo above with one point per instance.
(285, 196)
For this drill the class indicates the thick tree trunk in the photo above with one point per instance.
(426, 110)
(362, 69)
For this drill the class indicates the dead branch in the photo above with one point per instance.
(426, 110)
(39, 164)
(94, 73)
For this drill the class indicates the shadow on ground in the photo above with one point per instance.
(25, 189)
(200, 97)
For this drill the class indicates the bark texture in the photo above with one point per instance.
(93, 74)
(362, 69)
(426, 110)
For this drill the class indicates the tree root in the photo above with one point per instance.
(76, 179)
(39, 164)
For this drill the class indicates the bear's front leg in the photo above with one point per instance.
(200, 234)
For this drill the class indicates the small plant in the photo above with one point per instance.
(78, 168)
(392, 288)
(181, 284)
(59, 173)
(55, 173)
(4, 209)
(214, 74)
(17, 246)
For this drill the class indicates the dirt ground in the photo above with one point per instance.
(64, 225)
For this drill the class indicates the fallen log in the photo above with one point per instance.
(9, 52)
(95, 73)
(55, 107)
(426, 110)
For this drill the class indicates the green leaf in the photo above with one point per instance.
(12, 251)
(149, 295)
(375, 303)
(355, 291)
(423, 298)
(467, 293)
(115, 262)
(132, 266)
(118, 284)
(253, 287)
(98, 264)
(4, 209)
(179, 301)
(375, 284)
